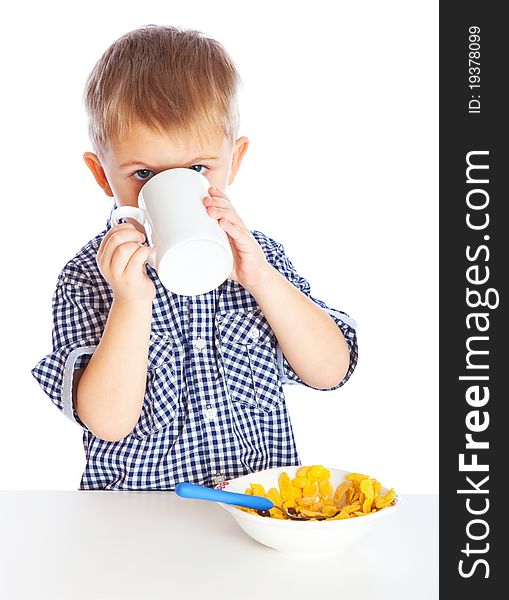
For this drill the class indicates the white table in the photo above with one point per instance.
(151, 545)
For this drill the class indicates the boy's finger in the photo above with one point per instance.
(117, 238)
(137, 260)
(121, 257)
(217, 200)
(227, 213)
(236, 232)
(111, 232)
(213, 191)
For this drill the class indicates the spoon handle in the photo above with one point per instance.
(200, 492)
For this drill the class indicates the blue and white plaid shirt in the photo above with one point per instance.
(214, 406)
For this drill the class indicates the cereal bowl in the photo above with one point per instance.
(306, 537)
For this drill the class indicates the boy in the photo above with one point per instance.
(171, 388)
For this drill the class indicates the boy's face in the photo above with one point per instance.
(151, 153)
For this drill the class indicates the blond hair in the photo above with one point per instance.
(174, 81)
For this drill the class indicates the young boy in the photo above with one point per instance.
(171, 388)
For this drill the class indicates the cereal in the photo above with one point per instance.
(302, 472)
(325, 491)
(310, 489)
(305, 500)
(339, 494)
(385, 499)
(257, 489)
(311, 494)
(300, 482)
(350, 508)
(287, 489)
(369, 494)
(356, 477)
(318, 473)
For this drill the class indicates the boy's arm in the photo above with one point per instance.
(317, 346)
(313, 344)
(110, 391)
(109, 336)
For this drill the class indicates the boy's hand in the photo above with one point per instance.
(250, 267)
(121, 259)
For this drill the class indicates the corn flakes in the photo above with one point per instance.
(311, 494)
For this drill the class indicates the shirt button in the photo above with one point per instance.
(199, 343)
(210, 413)
(254, 333)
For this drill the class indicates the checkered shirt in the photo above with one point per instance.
(214, 406)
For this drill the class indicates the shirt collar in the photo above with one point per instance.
(108, 222)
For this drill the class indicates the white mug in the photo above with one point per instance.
(192, 254)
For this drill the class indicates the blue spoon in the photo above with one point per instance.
(263, 505)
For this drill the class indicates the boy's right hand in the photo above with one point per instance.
(121, 259)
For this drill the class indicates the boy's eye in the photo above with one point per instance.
(143, 174)
(193, 167)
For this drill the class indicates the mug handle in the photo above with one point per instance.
(133, 212)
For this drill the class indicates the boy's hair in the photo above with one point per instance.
(174, 81)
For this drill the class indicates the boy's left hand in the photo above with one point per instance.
(250, 267)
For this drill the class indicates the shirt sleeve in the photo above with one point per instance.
(79, 317)
(347, 325)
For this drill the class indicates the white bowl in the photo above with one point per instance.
(306, 537)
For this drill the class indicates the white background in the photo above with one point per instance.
(340, 103)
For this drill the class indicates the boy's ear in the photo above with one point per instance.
(238, 152)
(94, 164)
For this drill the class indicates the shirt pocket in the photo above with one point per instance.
(248, 349)
(163, 390)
